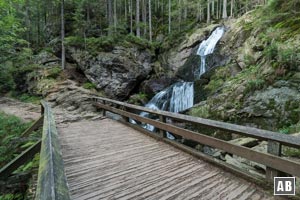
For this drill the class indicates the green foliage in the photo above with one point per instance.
(89, 85)
(283, 56)
(54, 72)
(292, 152)
(284, 130)
(142, 43)
(138, 99)
(11, 197)
(6, 79)
(33, 164)
(11, 144)
(200, 111)
(253, 85)
(27, 98)
(271, 51)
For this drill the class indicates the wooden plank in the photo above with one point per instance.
(227, 167)
(140, 167)
(275, 162)
(52, 183)
(21, 159)
(36, 125)
(287, 140)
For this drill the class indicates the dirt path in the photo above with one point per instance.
(25, 111)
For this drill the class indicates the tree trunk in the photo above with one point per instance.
(150, 21)
(213, 8)
(115, 15)
(110, 17)
(169, 29)
(224, 15)
(131, 18)
(63, 53)
(208, 12)
(185, 9)
(231, 8)
(125, 10)
(27, 21)
(217, 10)
(137, 19)
(144, 16)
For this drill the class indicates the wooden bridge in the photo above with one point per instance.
(116, 159)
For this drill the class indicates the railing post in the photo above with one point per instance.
(163, 120)
(126, 119)
(103, 110)
(274, 148)
(42, 109)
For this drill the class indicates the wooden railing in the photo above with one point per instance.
(275, 164)
(52, 182)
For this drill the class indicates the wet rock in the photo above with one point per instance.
(155, 85)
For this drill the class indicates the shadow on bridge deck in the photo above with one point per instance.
(105, 159)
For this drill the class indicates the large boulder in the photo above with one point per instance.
(118, 73)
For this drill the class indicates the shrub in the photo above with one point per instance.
(89, 85)
(6, 80)
(54, 72)
(29, 98)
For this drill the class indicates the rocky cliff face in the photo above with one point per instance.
(118, 73)
(257, 83)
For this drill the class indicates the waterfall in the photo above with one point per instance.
(176, 98)
(182, 97)
(207, 47)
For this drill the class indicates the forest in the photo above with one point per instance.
(235, 61)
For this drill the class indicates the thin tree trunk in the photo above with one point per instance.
(27, 21)
(125, 10)
(150, 21)
(217, 9)
(185, 9)
(115, 15)
(138, 30)
(224, 15)
(110, 17)
(169, 29)
(131, 18)
(213, 8)
(231, 8)
(63, 51)
(144, 16)
(208, 12)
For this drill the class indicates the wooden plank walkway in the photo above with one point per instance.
(105, 159)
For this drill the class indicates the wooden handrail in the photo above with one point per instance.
(274, 162)
(287, 140)
(52, 182)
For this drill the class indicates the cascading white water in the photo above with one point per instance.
(207, 47)
(182, 97)
(176, 98)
